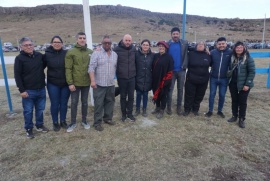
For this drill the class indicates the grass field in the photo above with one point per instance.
(173, 148)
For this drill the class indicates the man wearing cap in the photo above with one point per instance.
(221, 57)
(178, 49)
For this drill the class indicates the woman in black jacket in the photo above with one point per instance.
(144, 59)
(196, 79)
(56, 82)
(162, 70)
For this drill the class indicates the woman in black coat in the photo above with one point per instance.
(196, 79)
(162, 70)
(56, 82)
(144, 59)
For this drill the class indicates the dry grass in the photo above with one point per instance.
(174, 148)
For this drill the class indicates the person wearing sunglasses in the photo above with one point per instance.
(102, 71)
(56, 82)
(76, 67)
(30, 80)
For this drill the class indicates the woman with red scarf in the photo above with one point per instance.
(162, 70)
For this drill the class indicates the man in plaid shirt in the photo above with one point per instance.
(102, 69)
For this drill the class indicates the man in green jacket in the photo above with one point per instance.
(76, 64)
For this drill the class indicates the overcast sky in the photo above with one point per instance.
(244, 9)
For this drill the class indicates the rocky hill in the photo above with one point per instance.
(42, 22)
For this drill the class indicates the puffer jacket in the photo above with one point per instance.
(144, 70)
(55, 62)
(246, 71)
(220, 63)
(126, 68)
(76, 65)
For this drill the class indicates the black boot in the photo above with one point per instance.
(169, 110)
(144, 113)
(137, 111)
(160, 114)
(232, 119)
(242, 122)
(156, 111)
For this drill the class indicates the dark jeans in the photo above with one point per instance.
(126, 88)
(59, 99)
(180, 76)
(162, 100)
(139, 95)
(239, 101)
(84, 90)
(194, 94)
(221, 84)
(36, 99)
(104, 98)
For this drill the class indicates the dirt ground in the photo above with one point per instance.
(173, 148)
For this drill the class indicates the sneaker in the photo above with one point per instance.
(208, 114)
(232, 119)
(64, 125)
(56, 127)
(131, 118)
(186, 113)
(195, 113)
(29, 134)
(221, 114)
(99, 128)
(109, 122)
(42, 129)
(123, 119)
(85, 125)
(71, 127)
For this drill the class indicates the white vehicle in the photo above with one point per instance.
(7, 44)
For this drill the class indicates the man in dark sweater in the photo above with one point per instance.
(30, 80)
(126, 72)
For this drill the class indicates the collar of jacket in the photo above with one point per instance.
(27, 54)
(81, 47)
(122, 45)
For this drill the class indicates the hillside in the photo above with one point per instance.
(42, 22)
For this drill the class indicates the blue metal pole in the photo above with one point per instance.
(184, 22)
(268, 79)
(5, 77)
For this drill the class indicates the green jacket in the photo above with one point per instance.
(76, 64)
(246, 72)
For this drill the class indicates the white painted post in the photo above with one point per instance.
(88, 32)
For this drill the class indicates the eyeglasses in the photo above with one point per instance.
(27, 45)
(107, 43)
(57, 42)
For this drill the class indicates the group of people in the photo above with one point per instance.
(71, 73)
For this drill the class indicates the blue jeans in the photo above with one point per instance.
(222, 87)
(59, 99)
(36, 99)
(139, 95)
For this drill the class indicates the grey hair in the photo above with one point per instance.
(106, 37)
(25, 39)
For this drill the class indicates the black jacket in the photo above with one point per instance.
(55, 62)
(162, 71)
(126, 67)
(29, 71)
(144, 70)
(198, 67)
